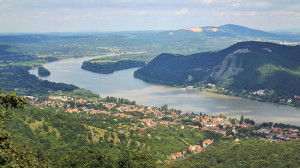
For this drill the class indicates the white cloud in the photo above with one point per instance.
(283, 13)
(182, 11)
(223, 13)
(207, 1)
(236, 4)
(70, 15)
(260, 4)
(144, 12)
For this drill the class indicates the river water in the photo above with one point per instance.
(123, 84)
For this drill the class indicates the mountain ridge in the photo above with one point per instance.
(227, 30)
(250, 65)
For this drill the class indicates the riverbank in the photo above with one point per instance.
(262, 95)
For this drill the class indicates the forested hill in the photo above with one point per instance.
(248, 65)
(245, 153)
(107, 67)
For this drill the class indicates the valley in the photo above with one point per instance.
(106, 117)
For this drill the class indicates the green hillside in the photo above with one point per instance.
(37, 135)
(243, 66)
(245, 153)
(57, 133)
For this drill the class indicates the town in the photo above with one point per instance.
(153, 117)
(263, 95)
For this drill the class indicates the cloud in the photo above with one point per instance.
(283, 13)
(207, 1)
(70, 15)
(144, 12)
(236, 4)
(182, 11)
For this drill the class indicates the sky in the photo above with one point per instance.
(125, 15)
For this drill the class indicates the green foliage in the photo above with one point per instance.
(59, 132)
(19, 79)
(12, 155)
(87, 158)
(119, 100)
(263, 66)
(110, 67)
(97, 158)
(164, 107)
(242, 119)
(246, 153)
(43, 71)
(137, 159)
(79, 93)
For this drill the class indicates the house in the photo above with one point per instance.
(191, 148)
(207, 142)
(293, 130)
(194, 148)
(290, 100)
(199, 150)
(194, 127)
(176, 155)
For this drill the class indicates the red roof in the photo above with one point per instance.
(176, 154)
(208, 141)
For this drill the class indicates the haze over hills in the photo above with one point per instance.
(246, 65)
(228, 30)
(184, 41)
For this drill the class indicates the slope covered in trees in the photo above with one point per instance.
(245, 153)
(19, 79)
(12, 155)
(59, 139)
(40, 155)
(243, 66)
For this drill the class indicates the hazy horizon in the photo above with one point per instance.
(35, 16)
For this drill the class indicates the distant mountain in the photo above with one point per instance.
(228, 30)
(248, 65)
(245, 31)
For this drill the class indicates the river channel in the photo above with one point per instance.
(123, 84)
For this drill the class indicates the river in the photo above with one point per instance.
(123, 84)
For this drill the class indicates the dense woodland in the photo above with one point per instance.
(60, 132)
(245, 153)
(17, 78)
(243, 67)
(43, 71)
(107, 67)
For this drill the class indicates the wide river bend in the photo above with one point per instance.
(123, 84)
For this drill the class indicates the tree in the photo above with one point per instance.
(12, 155)
(136, 159)
(164, 107)
(242, 119)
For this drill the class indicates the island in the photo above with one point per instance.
(108, 66)
(43, 71)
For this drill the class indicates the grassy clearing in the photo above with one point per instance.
(37, 124)
(97, 133)
(51, 129)
(269, 69)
